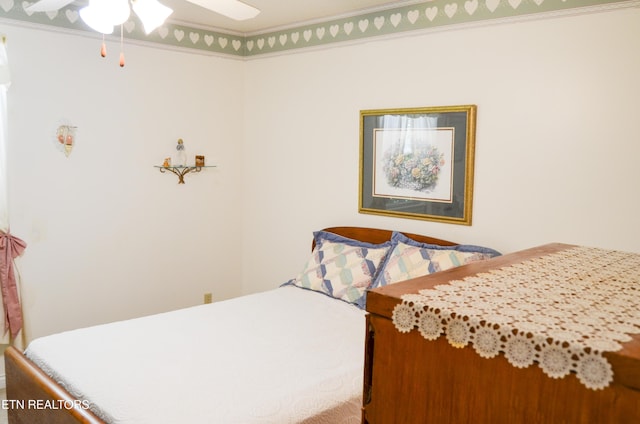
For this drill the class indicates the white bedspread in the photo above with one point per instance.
(283, 356)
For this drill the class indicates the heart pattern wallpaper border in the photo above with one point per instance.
(423, 16)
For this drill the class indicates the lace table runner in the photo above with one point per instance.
(561, 310)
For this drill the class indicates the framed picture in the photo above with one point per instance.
(418, 163)
(199, 160)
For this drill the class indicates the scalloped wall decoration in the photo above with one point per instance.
(424, 16)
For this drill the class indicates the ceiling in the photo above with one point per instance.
(274, 13)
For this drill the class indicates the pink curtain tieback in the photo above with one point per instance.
(10, 248)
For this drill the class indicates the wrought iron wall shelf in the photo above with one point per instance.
(181, 171)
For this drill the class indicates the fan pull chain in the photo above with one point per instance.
(103, 48)
(121, 46)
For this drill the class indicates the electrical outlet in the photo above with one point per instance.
(208, 298)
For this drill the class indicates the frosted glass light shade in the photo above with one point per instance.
(151, 12)
(103, 15)
(95, 20)
(118, 10)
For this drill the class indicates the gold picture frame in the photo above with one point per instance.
(418, 163)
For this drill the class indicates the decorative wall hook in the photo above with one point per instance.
(66, 138)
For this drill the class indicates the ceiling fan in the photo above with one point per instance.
(103, 15)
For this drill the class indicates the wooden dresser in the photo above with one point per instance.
(409, 379)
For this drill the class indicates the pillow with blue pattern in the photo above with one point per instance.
(411, 259)
(341, 267)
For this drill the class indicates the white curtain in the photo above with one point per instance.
(5, 81)
(10, 246)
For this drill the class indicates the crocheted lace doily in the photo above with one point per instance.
(561, 311)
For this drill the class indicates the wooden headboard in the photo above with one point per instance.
(375, 235)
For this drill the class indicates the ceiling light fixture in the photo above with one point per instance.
(104, 15)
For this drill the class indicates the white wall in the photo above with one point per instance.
(556, 147)
(109, 237)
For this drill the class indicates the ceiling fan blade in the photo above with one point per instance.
(48, 5)
(233, 9)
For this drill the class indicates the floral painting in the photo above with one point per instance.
(418, 163)
(414, 163)
(415, 170)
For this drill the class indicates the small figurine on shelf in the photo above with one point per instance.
(181, 156)
(167, 162)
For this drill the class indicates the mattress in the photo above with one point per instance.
(287, 355)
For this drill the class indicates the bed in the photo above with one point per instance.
(294, 354)
(424, 372)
